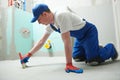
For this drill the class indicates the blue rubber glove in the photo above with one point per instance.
(25, 60)
(70, 68)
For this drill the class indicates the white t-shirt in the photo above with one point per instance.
(66, 21)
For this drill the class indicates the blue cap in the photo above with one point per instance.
(38, 10)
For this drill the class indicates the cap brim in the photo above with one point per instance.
(34, 19)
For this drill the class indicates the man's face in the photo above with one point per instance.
(44, 18)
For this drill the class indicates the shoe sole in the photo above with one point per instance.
(75, 71)
(116, 54)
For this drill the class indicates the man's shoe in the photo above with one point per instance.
(115, 55)
(95, 61)
(79, 59)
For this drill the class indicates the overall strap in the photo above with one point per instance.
(54, 28)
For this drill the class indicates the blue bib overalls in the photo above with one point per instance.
(86, 44)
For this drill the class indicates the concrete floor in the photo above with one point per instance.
(52, 68)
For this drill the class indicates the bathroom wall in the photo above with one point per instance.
(116, 12)
(105, 14)
(101, 14)
(2, 32)
(16, 33)
(57, 48)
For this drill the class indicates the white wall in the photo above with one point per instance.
(53, 4)
(3, 24)
(29, 5)
(3, 3)
(85, 3)
(100, 14)
(116, 10)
